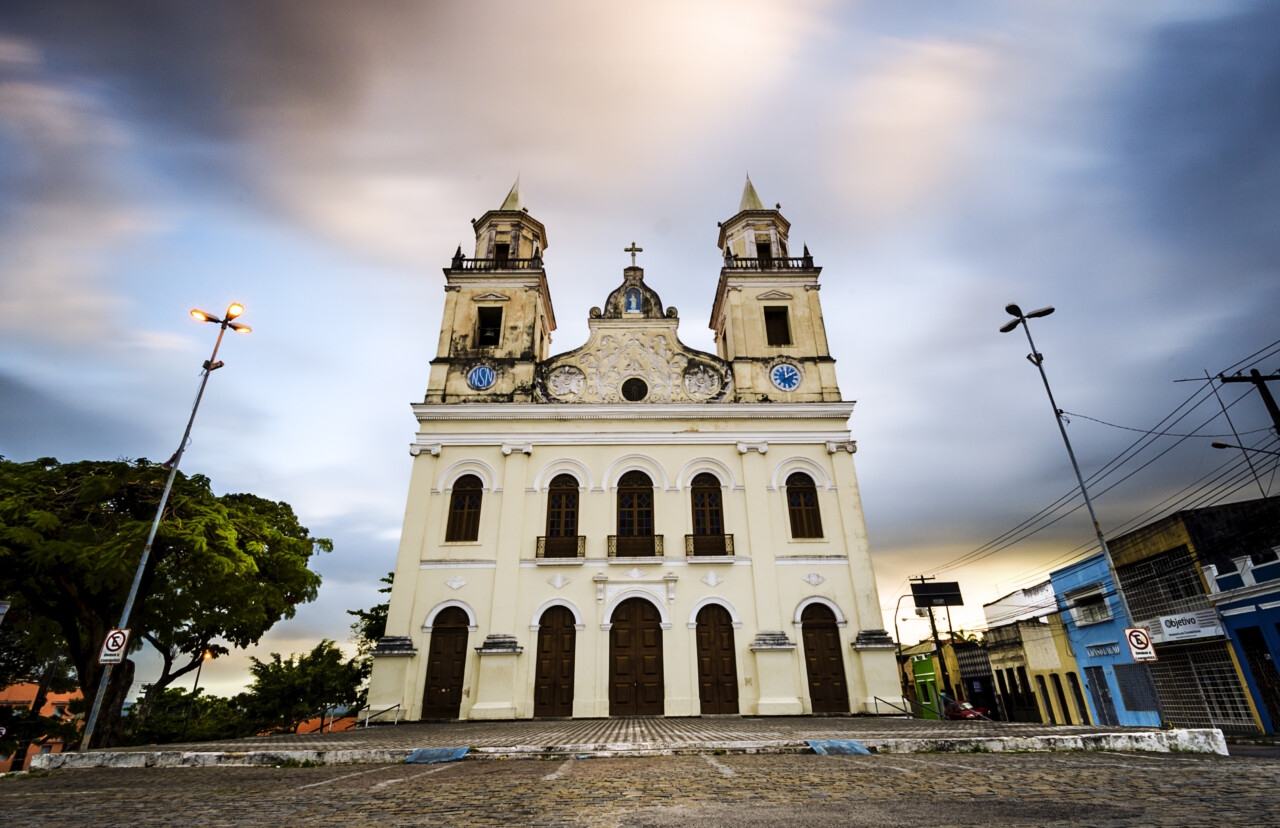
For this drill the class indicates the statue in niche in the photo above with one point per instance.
(633, 300)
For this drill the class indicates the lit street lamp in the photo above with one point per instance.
(210, 365)
(207, 655)
(1037, 359)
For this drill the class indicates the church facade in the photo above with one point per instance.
(633, 527)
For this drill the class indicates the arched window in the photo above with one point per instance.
(708, 517)
(464, 510)
(635, 515)
(802, 504)
(562, 517)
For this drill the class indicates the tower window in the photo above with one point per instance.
(802, 504)
(464, 510)
(634, 389)
(488, 327)
(764, 251)
(501, 252)
(635, 506)
(776, 329)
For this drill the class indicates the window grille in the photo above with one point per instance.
(1136, 688)
(1165, 584)
(1198, 687)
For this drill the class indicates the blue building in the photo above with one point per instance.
(1120, 692)
(1246, 593)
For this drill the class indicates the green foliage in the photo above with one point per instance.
(224, 568)
(180, 716)
(287, 692)
(371, 624)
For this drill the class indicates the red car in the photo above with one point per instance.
(964, 710)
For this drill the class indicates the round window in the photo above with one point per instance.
(634, 389)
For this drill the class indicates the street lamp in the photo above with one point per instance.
(210, 365)
(1037, 359)
(207, 655)
(1221, 445)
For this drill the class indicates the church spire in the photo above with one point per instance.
(513, 201)
(750, 201)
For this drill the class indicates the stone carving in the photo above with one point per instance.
(566, 381)
(813, 579)
(711, 579)
(456, 582)
(633, 572)
(701, 382)
(557, 580)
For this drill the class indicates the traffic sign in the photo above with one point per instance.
(113, 647)
(1140, 644)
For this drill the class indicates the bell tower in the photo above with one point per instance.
(498, 317)
(767, 316)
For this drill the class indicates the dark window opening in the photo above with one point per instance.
(802, 504)
(708, 515)
(501, 253)
(764, 251)
(776, 329)
(634, 389)
(464, 510)
(488, 327)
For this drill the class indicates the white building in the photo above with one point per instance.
(634, 526)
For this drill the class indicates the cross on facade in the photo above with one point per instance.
(633, 250)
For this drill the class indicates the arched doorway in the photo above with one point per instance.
(553, 687)
(823, 660)
(446, 662)
(635, 660)
(717, 661)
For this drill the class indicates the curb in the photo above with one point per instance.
(1206, 741)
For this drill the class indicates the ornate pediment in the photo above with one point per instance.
(634, 365)
(774, 294)
(491, 297)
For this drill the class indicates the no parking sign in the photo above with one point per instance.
(113, 647)
(1140, 644)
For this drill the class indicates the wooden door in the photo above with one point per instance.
(446, 662)
(824, 661)
(635, 660)
(553, 688)
(717, 661)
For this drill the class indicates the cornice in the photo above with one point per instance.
(478, 411)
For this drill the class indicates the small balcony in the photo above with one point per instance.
(569, 548)
(635, 546)
(501, 263)
(769, 263)
(708, 546)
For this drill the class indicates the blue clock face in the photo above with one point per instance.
(785, 376)
(481, 377)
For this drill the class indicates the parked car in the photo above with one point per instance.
(963, 710)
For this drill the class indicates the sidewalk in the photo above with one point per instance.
(536, 739)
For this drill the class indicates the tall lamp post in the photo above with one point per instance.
(207, 655)
(1218, 444)
(1037, 359)
(210, 365)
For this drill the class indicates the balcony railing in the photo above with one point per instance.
(572, 546)
(635, 546)
(509, 263)
(699, 546)
(769, 263)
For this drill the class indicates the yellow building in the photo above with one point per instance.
(633, 527)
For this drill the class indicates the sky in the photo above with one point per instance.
(320, 162)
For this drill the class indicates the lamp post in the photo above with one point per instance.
(195, 688)
(1037, 359)
(1221, 445)
(210, 365)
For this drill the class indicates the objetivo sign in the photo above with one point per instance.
(1186, 626)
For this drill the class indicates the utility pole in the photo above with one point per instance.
(937, 645)
(1260, 382)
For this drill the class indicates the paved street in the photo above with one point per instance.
(1102, 789)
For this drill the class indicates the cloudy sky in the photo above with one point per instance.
(320, 161)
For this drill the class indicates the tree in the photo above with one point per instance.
(32, 652)
(180, 715)
(285, 693)
(371, 624)
(221, 568)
